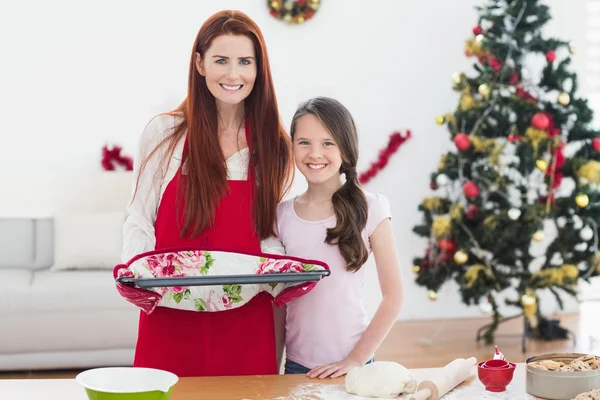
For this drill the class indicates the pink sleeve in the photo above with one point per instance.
(379, 209)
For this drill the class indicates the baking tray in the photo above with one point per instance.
(559, 385)
(216, 280)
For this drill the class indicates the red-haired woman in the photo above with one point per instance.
(210, 175)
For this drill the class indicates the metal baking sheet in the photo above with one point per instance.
(216, 280)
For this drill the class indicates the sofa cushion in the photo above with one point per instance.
(14, 288)
(26, 243)
(29, 292)
(88, 240)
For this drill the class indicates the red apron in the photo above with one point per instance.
(233, 342)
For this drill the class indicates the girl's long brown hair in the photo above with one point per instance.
(349, 201)
(206, 168)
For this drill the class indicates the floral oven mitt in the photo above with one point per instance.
(190, 263)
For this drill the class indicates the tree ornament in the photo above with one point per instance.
(440, 120)
(586, 233)
(564, 99)
(573, 49)
(447, 245)
(472, 211)
(477, 30)
(456, 78)
(582, 200)
(540, 121)
(470, 189)
(462, 142)
(485, 308)
(542, 165)
(514, 214)
(416, 269)
(442, 180)
(527, 300)
(538, 236)
(551, 56)
(596, 144)
(441, 226)
(460, 257)
(479, 41)
(432, 294)
(484, 90)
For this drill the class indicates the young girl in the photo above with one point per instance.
(327, 330)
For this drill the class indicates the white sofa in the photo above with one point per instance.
(67, 316)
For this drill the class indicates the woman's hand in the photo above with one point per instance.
(334, 370)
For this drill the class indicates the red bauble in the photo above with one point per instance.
(477, 30)
(514, 78)
(494, 64)
(596, 144)
(462, 142)
(540, 121)
(512, 138)
(433, 186)
(551, 55)
(447, 245)
(472, 211)
(470, 189)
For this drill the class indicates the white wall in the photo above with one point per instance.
(76, 75)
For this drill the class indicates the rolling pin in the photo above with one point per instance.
(445, 380)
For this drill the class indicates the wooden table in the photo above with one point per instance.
(279, 387)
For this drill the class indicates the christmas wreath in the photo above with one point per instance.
(293, 11)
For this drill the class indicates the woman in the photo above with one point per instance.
(210, 175)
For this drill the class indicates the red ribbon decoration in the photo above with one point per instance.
(113, 156)
(396, 140)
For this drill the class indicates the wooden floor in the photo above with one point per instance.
(434, 343)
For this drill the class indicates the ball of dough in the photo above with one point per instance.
(380, 379)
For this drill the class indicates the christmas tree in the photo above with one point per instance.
(526, 169)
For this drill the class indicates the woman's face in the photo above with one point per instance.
(229, 67)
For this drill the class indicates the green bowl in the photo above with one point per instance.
(127, 383)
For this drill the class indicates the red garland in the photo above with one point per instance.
(396, 140)
(113, 156)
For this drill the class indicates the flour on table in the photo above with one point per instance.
(327, 392)
(337, 392)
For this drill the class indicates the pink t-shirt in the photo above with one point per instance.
(324, 325)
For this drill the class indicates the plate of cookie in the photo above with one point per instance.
(562, 376)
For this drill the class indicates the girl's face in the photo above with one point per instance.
(316, 153)
(229, 67)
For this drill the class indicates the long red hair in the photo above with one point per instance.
(206, 168)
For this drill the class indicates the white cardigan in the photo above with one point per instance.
(138, 230)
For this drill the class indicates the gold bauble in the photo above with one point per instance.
(288, 18)
(440, 120)
(300, 20)
(538, 236)
(542, 165)
(432, 294)
(527, 300)
(460, 257)
(276, 5)
(582, 200)
(467, 102)
(564, 99)
(416, 269)
(289, 5)
(484, 90)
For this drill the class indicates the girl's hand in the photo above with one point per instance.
(333, 370)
